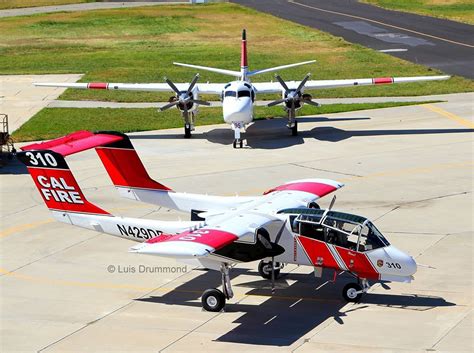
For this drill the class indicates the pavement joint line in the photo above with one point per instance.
(452, 328)
(325, 170)
(106, 315)
(449, 115)
(381, 23)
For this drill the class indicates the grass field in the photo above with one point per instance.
(12, 4)
(140, 44)
(54, 122)
(456, 10)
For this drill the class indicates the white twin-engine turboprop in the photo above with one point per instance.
(238, 97)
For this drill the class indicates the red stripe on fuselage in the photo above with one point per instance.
(382, 80)
(358, 263)
(97, 85)
(317, 250)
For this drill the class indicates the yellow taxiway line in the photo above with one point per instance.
(381, 23)
(449, 115)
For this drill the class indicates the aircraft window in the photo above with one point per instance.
(227, 85)
(308, 226)
(247, 85)
(230, 94)
(244, 94)
(371, 238)
(341, 233)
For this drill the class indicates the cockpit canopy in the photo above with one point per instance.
(342, 229)
(238, 90)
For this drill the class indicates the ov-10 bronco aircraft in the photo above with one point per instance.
(239, 96)
(283, 226)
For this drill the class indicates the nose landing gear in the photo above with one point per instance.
(352, 292)
(237, 127)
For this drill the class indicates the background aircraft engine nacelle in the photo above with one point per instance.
(293, 99)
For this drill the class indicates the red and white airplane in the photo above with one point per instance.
(238, 97)
(283, 226)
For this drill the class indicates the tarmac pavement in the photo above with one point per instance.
(410, 169)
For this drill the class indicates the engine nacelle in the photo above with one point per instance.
(183, 103)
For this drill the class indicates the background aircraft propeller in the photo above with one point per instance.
(293, 97)
(184, 99)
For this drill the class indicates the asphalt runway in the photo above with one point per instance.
(437, 43)
(410, 169)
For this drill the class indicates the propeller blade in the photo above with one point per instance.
(197, 101)
(310, 102)
(282, 83)
(168, 106)
(333, 201)
(193, 82)
(276, 102)
(302, 83)
(273, 275)
(280, 232)
(173, 87)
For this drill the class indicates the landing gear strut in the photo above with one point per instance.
(214, 299)
(188, 123)
(292, 122)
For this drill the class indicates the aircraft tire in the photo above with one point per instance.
(265, 273)
(187, 131)
(213, 300)
(294, 129)
(350, 292)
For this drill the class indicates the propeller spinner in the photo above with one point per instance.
(184, 99)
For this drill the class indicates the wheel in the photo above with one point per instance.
(187, 131)
(314, 205)
(265, 269)
(213, 300)
(294, 129)
(350, 292)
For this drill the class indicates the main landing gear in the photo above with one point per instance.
(293, 126)
(352, 292)
(265, 269)
(189, 123)
(214, 299)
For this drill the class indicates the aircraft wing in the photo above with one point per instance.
(203, 88)
(240, 224)
(275, 87)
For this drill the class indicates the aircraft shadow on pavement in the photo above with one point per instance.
(273, 134)
(294, 310)
(13, 166)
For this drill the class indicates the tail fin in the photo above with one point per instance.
(124, 166)
(56, 183)
(243, 56)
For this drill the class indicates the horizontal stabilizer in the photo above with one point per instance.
(276, 68)
(212, 69)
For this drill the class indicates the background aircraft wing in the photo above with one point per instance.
(275, 87)
(240, 224)
(204, 88)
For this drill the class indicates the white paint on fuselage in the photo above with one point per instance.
(237, 103)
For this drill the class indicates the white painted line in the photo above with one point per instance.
(270, 320)
(392, 50)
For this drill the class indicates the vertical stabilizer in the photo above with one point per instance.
(243, 57)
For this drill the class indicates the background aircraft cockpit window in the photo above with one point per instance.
(371, 238)
(230, 94)
(244, 93)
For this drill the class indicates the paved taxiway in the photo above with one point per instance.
(408, 168)
(434, 42)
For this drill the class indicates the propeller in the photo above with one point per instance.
(293, 97)
(183, 98)
(277, 240)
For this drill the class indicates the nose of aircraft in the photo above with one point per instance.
(237, 110)
(407, 262)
